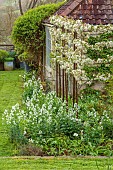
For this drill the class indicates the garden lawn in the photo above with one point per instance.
(35, 163)
(10, 94)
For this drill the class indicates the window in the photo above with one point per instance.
(48, 46)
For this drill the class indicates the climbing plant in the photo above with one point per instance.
(90, 46)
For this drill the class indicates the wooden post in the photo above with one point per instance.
(63, 71)
(59, 80)
(66, 87)
(56, 78)
(63, 87)
(75, 87)
(74, 67)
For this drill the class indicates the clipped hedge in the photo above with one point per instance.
(28, 32)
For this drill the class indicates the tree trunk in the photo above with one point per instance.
(20, 7)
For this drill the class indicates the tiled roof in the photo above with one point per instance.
(90, 11)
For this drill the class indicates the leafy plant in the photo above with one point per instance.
(43, 120)
(23, 57)
(28, 32)
(3, 55)
(9, 59)
(11, 54)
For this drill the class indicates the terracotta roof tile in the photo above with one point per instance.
(111, 17)
(108, 12)
(71, 7)
(90, 11)
(64, 7)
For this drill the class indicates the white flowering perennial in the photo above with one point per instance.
(40, 114)
(43, 120)
(70, 44)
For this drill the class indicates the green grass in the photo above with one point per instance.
(10, 94)
(35, 163)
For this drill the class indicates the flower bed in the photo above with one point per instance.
(44, 121)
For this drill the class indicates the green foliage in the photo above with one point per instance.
(44, 121)
(3, 55)
(103, 53)
(9, 59)
(16, 135)
(23, 57)
(11, 54)
(95, 54)
(7, 56)
(101, 37)
(28, 32)
(109, 92)
(100, 68)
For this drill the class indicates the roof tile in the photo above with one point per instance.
(111, 17)
(90, 11)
